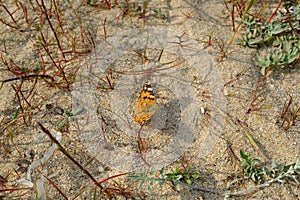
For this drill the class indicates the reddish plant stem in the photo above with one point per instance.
(23, 97)
(6, 23)
(253, 106)
(275, 12)
(10, 14)
(43, 61)
(285, 110)
(111, 177)
(24, 9)
(104, 28)
(5, 51)
(83, 32)
(53, 61)
(55, 186)
(19, 100)
(11, 189)
(54, 32)
(232, 18)
(58, 15)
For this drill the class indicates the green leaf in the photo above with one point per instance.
(243, 155)
(188, 181)
(16, 113)
(248, 7)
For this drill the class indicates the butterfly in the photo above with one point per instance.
(146, 104)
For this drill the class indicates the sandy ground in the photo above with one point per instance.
(189, 79)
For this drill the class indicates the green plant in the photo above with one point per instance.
(250, 169)
(279, 35)
(247, 7)
(186, 175)
(264, 175)
(174, 177)
(277, 173)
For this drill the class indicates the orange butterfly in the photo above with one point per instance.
(146, 104)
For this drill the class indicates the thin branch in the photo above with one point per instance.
(66, 153)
